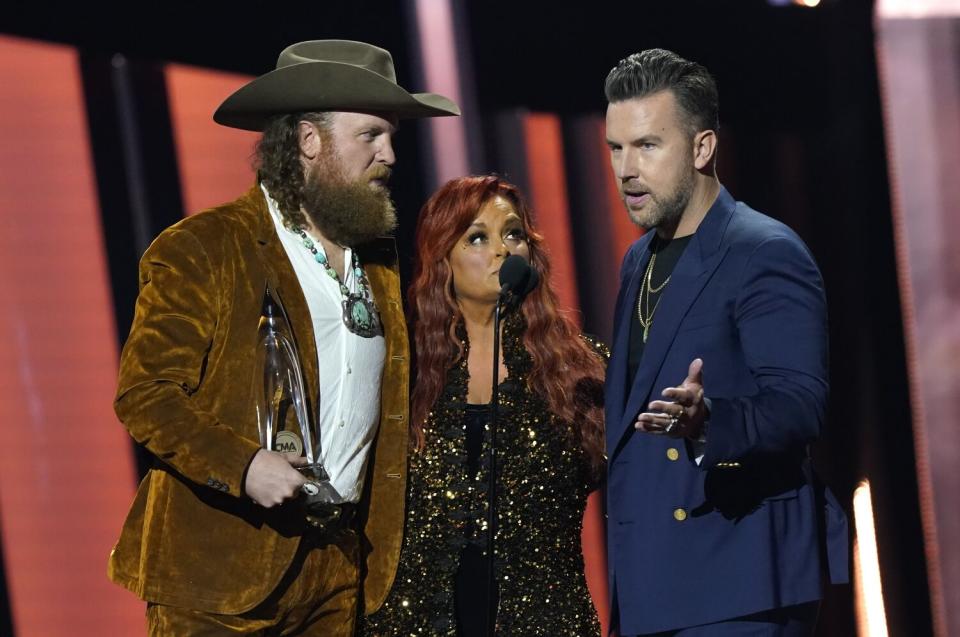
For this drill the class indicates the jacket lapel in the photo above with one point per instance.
(617, 388)
(282, 279)
(690, 275)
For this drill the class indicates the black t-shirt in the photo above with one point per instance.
(667, 253)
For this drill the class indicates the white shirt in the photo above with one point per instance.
(350, 366)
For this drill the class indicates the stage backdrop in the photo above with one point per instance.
(918, 50)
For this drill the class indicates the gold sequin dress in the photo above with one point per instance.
(542, 491)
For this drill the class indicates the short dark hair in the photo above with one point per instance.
(655, 70)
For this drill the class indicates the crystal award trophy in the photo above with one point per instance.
(282, 417)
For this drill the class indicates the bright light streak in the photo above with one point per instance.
(871, 616)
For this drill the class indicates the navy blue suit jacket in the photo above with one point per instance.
(748, 529)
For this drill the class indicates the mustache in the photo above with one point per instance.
(379, 171)
(634, 186)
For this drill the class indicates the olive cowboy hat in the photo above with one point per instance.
(328, 75)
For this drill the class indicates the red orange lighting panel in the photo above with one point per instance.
(548, 194)
(66, 465)
(215, 161)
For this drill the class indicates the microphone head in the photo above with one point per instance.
(532, 281)
(516, 276)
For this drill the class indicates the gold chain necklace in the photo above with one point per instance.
(643, 301)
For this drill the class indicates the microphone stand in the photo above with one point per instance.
(492, 601)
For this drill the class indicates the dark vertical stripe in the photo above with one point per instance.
(136, 172)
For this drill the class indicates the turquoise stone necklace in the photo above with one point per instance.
(359, 311)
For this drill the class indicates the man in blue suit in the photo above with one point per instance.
(716, 387)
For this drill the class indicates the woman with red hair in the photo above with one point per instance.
(549, 432)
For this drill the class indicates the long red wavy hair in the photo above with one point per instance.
(566, 372)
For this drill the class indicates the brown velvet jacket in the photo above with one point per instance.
(192, 538)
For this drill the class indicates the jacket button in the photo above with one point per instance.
(679, 515)
(672, 453)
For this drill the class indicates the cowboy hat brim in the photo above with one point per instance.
(324, 86)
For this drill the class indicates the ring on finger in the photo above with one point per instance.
(671, 425)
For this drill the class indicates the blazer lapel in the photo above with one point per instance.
(690, 275)
(617, 388)
(282, 279)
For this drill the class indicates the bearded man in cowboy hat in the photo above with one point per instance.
(215, 541)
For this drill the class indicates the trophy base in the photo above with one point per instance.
(320, 501)
(322, 517)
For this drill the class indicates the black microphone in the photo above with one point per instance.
(517, 278)
(532, 281)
